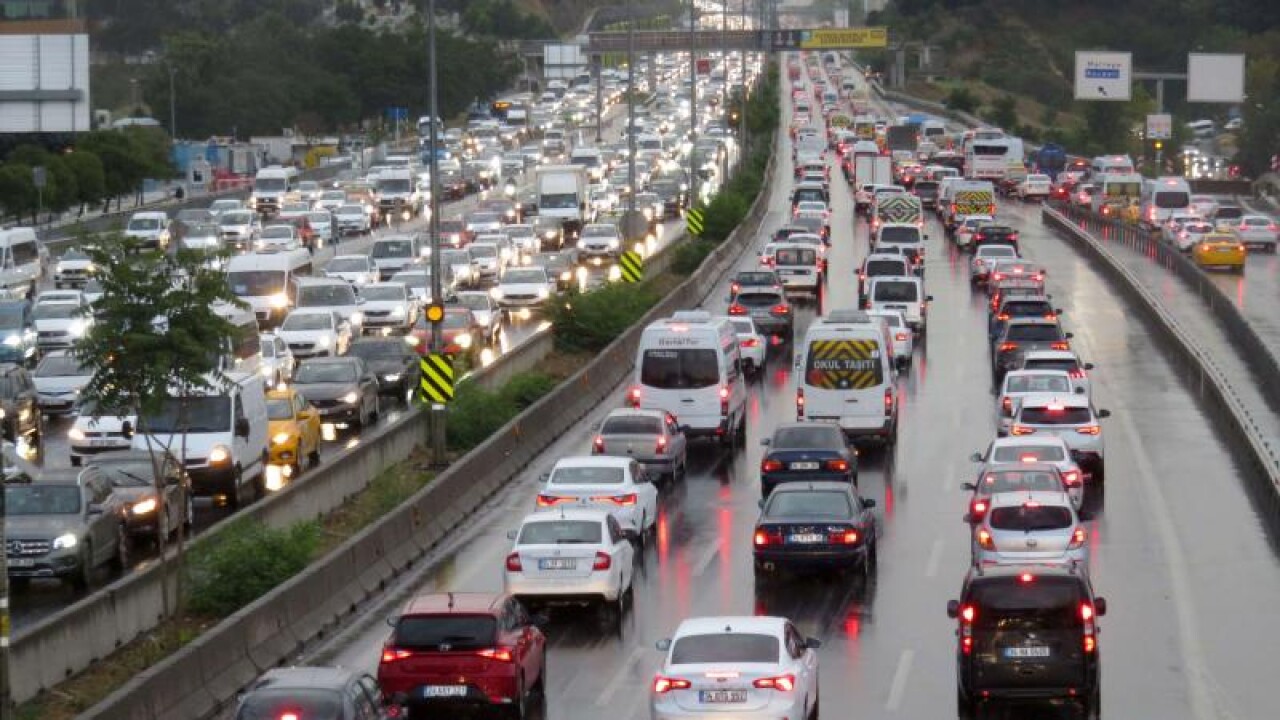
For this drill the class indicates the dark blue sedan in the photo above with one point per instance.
(807, 451)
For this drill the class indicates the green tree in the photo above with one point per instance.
(17, 190)
(90, 180)
(1004, 112)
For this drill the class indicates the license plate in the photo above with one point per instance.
(805, 538)
(444, 691)
(1026, 652)
(1224, 250)
(804, 466)
(557, 564)
(22, 562)
(722, 696)
(101, 442)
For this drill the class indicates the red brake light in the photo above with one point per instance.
(551, 500)
(500, 654)
(289, 716)
(845, 537)
(770, 465)
(661, 449)
(1021, 430)
(736, 309)
(598, 444)
(1002, 316)
(1061, 345)
(621, 500)
(390, 654)
(985, 541)
(780, 309)
(724, 393)
(635, 397)
(767, 537)
(1089, 430)
(734, 287)
(749, 342)
(781, 683)
(1071, 478)
(838, 465)
(1008, 346)
(663, 685)
(603, 561)
(1086, 612)
(513, 563)
(978, 509)
(967, 613)
(799, 402)
(901, 337)
(1007, 406)
(888, 401)
(1077, 539)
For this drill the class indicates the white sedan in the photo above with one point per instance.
(617, 484)
(315, 333)
(750, 343)
(1257, 232)
(739, 667)
(359, 270)
(968, 226)
(523, 287)
(574, 557)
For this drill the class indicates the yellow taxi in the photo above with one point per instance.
(1219, 250)
(293, 428)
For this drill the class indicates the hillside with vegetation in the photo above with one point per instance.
(1014, 60)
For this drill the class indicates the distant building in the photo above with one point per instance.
(44, 84)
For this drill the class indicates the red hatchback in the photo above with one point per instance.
(456, 651)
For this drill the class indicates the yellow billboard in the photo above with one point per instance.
(844, 38)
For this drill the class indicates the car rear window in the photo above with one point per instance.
(795, 256)
(1029, 453)
(631, 426)
(1034, 332)
(459, 632)
(588, 476)
(725, 648)
(1031, 517)
(1038, 383)
(1024, 308)
(1044, 603)
(809, 504)
(886, 267)
(561, 532)
(816, 436)
(1056, 416)
(1067, 364)
(997, 481)
(683, 369)
(899, 235)
(896, 292)
(843, 364)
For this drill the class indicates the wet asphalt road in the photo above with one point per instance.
(1178, 550)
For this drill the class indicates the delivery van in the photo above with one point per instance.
(844, 374)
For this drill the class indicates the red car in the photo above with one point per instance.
(455, 651)
(461, 333)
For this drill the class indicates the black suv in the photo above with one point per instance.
(19, 405)
(1027, 633)
(994, 235)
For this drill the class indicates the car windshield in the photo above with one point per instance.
(524, 276)
(59, 310)
(483, 251)
(277, 232)
(308, 321)
(236, 217)
(357, 264)
(382, 292)
(254, 283)
(40, 499)
(1010, 605)
(562, 532)
(632, 425)
(829, 504)
(588, 476)
(815, 435)
(11, 316)
(60, 366)
(326, 295)
(896, 292)
(197, 414)
(1029, 453)
(144, 224)
(484, 219)
(997, 481)
(378, 349)
(310, 373)
(474, 302)
(1031, 517)
(890, 235)
(599, 231)
(349, 210)
(455, 257)
(74, 255)
(131, 474)
(725, 648)
(686, 368)
(1040, 383)
(458, 632)
(279, 409)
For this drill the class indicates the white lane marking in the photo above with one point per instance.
(899, 686)
(620, 676)
(704, 560)
(935, 559)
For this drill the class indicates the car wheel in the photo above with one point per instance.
(164, 526)
(519, 710)
(124, 550)
(814, 711)
(313, 457)
(232, 491)
(965, 709)
(84, 574)
(189, 515)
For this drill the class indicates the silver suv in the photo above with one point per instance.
(1071, 418)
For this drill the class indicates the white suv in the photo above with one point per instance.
(1070, 417)
(150, 228)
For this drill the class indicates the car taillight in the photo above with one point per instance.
(977, 237)
(1060, 345)
(736, 309)
(663, 685)
(551, 500)
(734, 288)
(838, 465)
(1002, 316)
(635, 397)
(749, 342)
(1071, 478)
(597, 445)
(1089, 430)
(391, 654)
(499, 654)
(844, 537)
(724, 401)
(1077, 539)
(620, 500)
(1076, 374)
(661, 447)
(603, 561)
(1008, 346)
(977, 509)
(1006, 405)
(1090, 632)
(770, 465)
(513, 563)
(767, 537)
(780, 309)
(985, 540)
(901, 337)
(967, 614)
(782, 683)
(888, 401)
(799, 402)
(1021, 430)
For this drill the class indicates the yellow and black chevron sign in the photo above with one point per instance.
(844, 364)
(632, 265)
(436, 384)
(693, 221)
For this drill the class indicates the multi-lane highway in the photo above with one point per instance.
(1178, 550)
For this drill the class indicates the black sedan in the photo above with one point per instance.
(343, 389)
(392, 361)
(814, 526)
(807, 451)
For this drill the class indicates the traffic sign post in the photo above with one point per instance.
(1104, 75)
(632, 264)
(601, 43)
(829, 39)
(693, 221)
(436, 383)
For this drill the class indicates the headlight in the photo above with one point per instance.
(351, 398)
(76, 328)
(393, 377)
(566, 276)
(58, 268)
(397, 311)
(543, 293)
(279, 300)
(143, 507)
(549, 234)
(267, 371)
(219, 454)
(357, 318)
(324, 341)
(13, 341)
(464, 340)
(65, 541)
(281, 438)
(495, 293)
(613, 243)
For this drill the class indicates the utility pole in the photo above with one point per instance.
(6, 697)
(631, 114)
(597, 61)
(173, 107)
(693, 101)
(435, 291)
(743, 131)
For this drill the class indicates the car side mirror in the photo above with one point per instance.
(95, 509)
(392, 620)
(967, 519)
(544, 477)
(928, 298)
(968, 486)
(976, 457)
(512, 534)
(242, 428)
(1070, 335)
(1058, 310)
(953, 609)
(1104, 413)
(127, 428)
(812, 643)
(1079, 390)
(1088, 366)
(868, 503)
(664, 644)
(1100, 606)
(765, 441)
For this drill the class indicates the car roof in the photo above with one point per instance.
(731, 624)
(340, 360)
(1069, 400)
(1050, 355)
(1016, 498)
(1031, 321)
(1028, 441)
(593, 461)
(586, 514)
(1017, 467)
(638, 412)
(461, 602)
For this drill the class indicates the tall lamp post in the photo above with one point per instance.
(173, 106)
(693, 101)
(435, 292)
(6, 709)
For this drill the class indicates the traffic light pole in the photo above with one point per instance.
(693, 102)
(631, 114)
(6, 698)
(435, 291)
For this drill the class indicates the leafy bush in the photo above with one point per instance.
(725, 211)
(244, 562)
(524, 389)
(587, 322)
(961, 99)
(476, 413)
(690, 255)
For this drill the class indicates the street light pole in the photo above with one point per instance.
(693, 101)
(435, 291)
(631, 113)
(173, 105)
(6, 706)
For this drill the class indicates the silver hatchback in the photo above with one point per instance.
(1029, 527)
(652, 437)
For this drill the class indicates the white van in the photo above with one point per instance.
(393, 253)
(243, 350)
(20, 261)
(904, 293)
(590, 158)
(1163, 197)
(265, 280)
(799, 266)
(690, 366)
(271, 187)
(220, 434)
(844, 374)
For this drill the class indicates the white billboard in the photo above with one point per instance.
(562, 62)
(1159, 127)
(44, 83)
(1104, 75)
(1215, 78)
